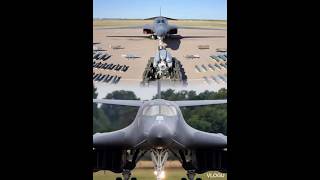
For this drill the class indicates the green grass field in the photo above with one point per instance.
(195, 23)
(147, 174)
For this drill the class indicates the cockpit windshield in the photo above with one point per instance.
(160, 21)
(155, 110)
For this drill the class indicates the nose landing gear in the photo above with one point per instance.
(191, 174)
(159, 158)
(126, 174)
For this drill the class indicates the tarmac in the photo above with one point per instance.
(198, 80)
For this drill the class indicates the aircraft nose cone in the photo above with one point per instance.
(161, 31)
(159, 135)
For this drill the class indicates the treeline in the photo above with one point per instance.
(211, 118)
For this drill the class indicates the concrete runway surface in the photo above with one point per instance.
(200, 76)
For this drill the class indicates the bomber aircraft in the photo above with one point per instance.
(161, 29)
(158, 128)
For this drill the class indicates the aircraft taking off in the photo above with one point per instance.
(161, 29)
(158, 128)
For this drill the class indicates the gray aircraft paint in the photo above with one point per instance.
(161, 29)
(159, 129)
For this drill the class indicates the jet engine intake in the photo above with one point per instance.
(173, 31)
(147, 31)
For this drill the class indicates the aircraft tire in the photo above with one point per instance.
(183, 178)
(198, 179)
(133, 178)
(118, 178)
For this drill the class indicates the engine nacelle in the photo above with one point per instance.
(173, 31)
(147, 31)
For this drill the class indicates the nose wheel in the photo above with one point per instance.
(126, 174)
(153, 37)
(191, 174)
(159, 158)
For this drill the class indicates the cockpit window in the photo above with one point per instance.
(151, 111)
(164, 110)
(160, 21)
(168, 110)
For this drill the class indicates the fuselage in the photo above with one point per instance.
(158, 121)
(158, 124)
(161, 28)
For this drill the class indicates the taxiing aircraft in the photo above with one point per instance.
(161, 29)
(158, 128)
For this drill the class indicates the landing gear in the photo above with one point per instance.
(126, 174)
(161, 44)
(159, 158)
(191, 174)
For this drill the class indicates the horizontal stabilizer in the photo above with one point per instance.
(200, 102)
(160, 17)
(136, 103)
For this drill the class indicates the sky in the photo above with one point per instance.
(180, 9)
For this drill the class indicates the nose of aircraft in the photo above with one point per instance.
(159, 135)
(161, 31)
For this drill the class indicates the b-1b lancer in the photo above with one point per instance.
(161, 29)
(158, 128)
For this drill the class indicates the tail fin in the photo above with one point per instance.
(152, 18)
